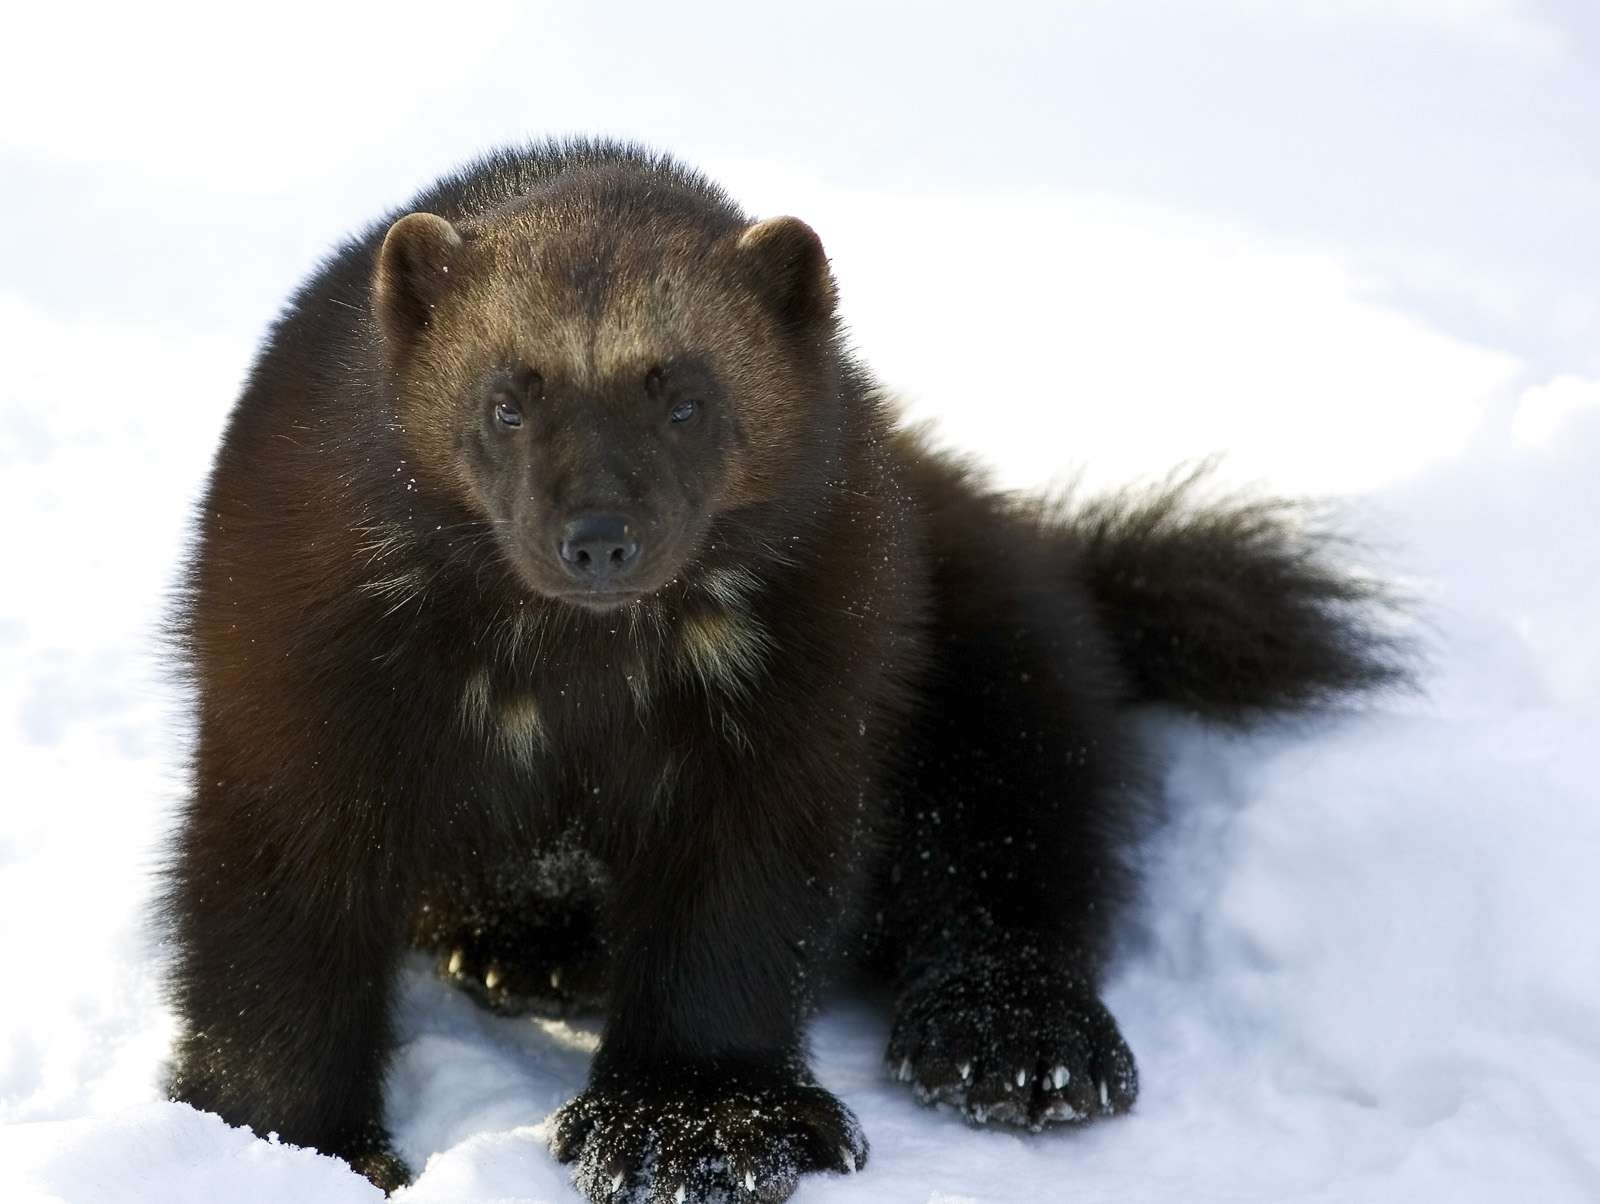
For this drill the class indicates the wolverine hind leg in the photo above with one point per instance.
(521, 939)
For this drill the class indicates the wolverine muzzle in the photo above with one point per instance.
(599, 549)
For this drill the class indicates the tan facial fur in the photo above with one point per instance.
(592, 306)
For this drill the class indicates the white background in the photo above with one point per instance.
(1352, 245)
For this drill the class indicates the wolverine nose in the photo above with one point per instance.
(597, 547)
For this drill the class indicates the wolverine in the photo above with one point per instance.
(567, 601)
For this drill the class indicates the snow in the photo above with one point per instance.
(1365, 966)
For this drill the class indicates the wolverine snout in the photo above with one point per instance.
(598, 548)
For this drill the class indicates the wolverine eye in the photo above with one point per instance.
(684, 411)
(508, 414)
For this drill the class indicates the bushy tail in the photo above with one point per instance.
(1233, 607)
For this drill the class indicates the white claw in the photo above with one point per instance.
(555, 985)
(966, 1071)
(492, 978)
(1022, 1078)
(1060, 1076)
(679, 1195)
(616, 1181)
(455, 962)
(848, 1158)
(1105, 1096)
(905, 1070)
(749, 1180)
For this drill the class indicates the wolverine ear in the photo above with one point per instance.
(789, 268)
(413, 268)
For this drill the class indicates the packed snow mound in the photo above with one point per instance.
(168, 1152)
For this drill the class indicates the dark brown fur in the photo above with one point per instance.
(853, 701)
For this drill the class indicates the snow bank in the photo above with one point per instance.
(167, 1153)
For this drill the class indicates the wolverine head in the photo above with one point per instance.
(604, 367)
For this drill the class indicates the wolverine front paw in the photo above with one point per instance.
(1007, 1039)
(383, 1167)
(704, 1132)
(364, 1145)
